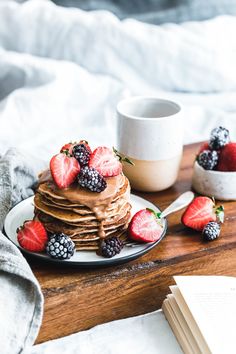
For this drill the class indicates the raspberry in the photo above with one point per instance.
(91, 179)
(60, 246)
(208, 159)
(82, 153)
(110, 247)
(211, 231)
(219, 138)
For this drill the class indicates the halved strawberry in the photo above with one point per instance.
(64, 169)
(145, 226)
(67, 148)
(32, 236)
(200, 212)
(105, 162)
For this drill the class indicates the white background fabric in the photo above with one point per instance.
(147, 334)
(62, 71)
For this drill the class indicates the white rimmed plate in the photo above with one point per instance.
(25, 211)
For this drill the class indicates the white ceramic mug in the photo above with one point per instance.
(150, 133)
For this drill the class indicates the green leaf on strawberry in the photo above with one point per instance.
(122, 158)
(220, 213)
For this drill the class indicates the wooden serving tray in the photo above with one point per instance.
(76, 300)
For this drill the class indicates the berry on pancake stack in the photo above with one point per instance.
(83, 200)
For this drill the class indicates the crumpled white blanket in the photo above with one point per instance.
(62, 71)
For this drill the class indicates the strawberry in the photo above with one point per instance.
(64, 169)
(67, 148)
(200, 212)
(227, 159)
(145, 226)
(32, 236)
(204, 146)
(105, 162)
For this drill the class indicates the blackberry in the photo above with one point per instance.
(208, 159)
(219, 138)
(91, 179)
(81, 153)
(110, 247)
(60, 246)
(211, 231)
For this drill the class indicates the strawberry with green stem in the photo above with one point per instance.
(200, 212)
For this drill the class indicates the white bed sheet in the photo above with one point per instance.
(62, 71)
(146, 334)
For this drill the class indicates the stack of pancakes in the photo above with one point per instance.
(85, 216)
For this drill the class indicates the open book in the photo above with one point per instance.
(201, 311)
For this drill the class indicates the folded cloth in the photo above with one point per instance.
(21, 300)
(157, 11)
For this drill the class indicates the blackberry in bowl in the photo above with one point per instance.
(214, 171)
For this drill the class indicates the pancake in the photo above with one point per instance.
(82, 210)
(65, 204)
(57, 226)
(85, 216)
(94, 245)
(76, 194)
(110, 211)
(76, 219)
(61, 214)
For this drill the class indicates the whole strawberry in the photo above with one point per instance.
(227, 158)
(67, 148)
(200, 212)
(32, 236)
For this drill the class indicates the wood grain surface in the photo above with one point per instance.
(76, 299)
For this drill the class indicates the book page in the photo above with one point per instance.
(176, 328)
(182, 323)
(193, 326)
(212, 302)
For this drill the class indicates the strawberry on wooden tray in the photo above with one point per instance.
(200, 212)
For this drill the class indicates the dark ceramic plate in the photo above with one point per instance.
(25, 211)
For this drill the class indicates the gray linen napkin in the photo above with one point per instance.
(21, 299)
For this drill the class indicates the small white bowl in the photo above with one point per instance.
(220, 185)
